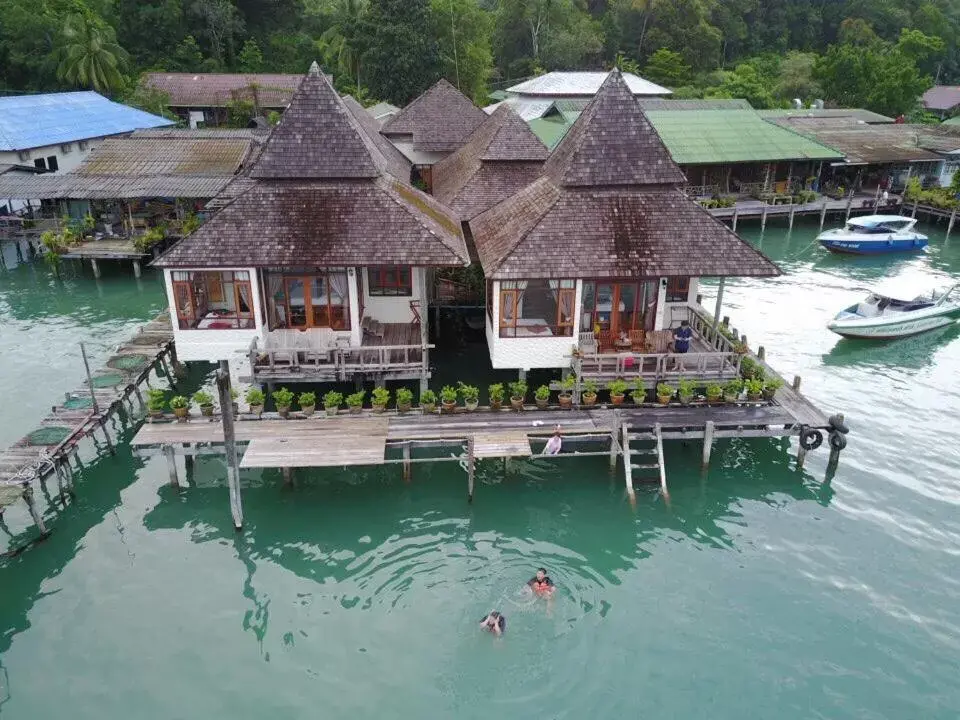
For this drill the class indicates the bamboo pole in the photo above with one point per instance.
(229, 443)
(707, 442)
(86, 365)
(470, 469)
(627, 461)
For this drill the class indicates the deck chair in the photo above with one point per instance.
(638, 341)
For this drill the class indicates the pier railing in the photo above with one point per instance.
(338, 363)
(659, 367)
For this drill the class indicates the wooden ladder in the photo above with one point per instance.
(650, 456)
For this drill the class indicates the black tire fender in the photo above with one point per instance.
(837, 424)
(810, 439)
(838, 441)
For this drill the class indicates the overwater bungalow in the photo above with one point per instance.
(595, 262)
(432, 126)
(318, 271)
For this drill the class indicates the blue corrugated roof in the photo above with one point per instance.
(29, 121)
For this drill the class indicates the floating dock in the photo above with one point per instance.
(49, 448)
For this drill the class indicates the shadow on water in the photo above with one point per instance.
(916, 352)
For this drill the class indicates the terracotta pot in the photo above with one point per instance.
(589, 398)
(181, 413)
(715, 401)
(754, 397)
(379, 409)
(156, 414)
(768, 394)
(496, 404)
(428, 407)
(566, 401)
(307, 410)
(332, 411)
(403, 407)
(283, 411)
(617, 399)
(471, 405)
(686, 399)
(731, 399)
(256, 409)
(356, 410)
(639, 399)
(206, 410)
(516, 403)
(449, 407)
(664, 399)
(542, 404)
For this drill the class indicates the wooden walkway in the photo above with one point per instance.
(48, 448)
(108, 249)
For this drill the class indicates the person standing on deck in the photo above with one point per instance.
(682, 336)
(553, 444)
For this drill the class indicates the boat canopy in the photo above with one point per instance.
(870, 221)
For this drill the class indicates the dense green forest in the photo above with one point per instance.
(879, 54)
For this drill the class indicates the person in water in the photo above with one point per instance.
(494, 622)
(554, 444)
(541, 583)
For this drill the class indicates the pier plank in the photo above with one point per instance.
(501, 444)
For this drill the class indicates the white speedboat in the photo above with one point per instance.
(883, 316)
(874, 235)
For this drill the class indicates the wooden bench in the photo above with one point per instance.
(372, 327)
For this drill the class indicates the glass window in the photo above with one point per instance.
(678, 289)
(215, 300)
(537, 308)
(308, 300)
(52, 163)
(390, 280)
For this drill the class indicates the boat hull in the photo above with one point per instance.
(873, 247)
(889, 330)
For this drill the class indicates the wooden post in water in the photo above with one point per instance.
(32, 506)
(136, 269)
(614, 431)
(953, 217)
(736, 215)
(796, 383)
(707, 442)
(915, 204)
(876, 200)
(106, 438)
(627, 461)
(801, 456)
(849, 204)
(762, 352)
(823, 213)
(229, 443)
(95, 268)
(407, 468)
(763, 217)
(86, 365)
(171, 465)
(835, 452)
(470, 468)
(287, 476)
(793, 209)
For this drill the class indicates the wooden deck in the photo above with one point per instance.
(48, 448)
(350, 442)
(106, 249)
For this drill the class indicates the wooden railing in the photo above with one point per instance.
(659, 366)
(341, 362)
(702, 324)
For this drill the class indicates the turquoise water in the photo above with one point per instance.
(760, 591)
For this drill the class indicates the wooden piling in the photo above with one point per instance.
(796, 383)
(793, 209)
(229, 443)
(627, 460)
(287, 476)
(58, 469)
(470, 469)
(663, 473)
(707, 442)
(736, 215)
(849, 204)
(835, 452)
(801, 456)
(953, 217)
(763, 217)
(171, 465)
(34, 511)
(95, 267)
(614, 431)
(762, 353)
(823, 214)
(915, 204)
(106, 438)
(136, 269)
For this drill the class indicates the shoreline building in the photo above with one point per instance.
(319, 270)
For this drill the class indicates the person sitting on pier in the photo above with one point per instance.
(681, 337)
(494, 622)
(553, 444)
(541, 583)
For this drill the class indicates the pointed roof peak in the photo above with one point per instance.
(440, 119)
(512, 138)
(613, 143)
(314, 69)
(318, 138)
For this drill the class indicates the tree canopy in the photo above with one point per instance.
(880, 54)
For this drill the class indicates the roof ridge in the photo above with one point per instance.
(394, 185)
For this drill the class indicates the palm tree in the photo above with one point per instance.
(341, 44)
(91, 56)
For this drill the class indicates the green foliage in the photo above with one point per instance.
(687, 388)
(568, 383)
(202, 398)
(282, 397)
(380, 396)
(355, 400)
(495, 392)
(428, 397)
(448, 394)
(179, 402)
(149, 238)
(463, 31)
(190, 223)
(665, 390)
(668, 68)
(469, 393)
(733, 387)
(401, 59)
(250, 59)
(714, 392)
(943, 198)
(156, 399)
(542, 393)
(404, 396)
(254, 397)
(754, 387)
(307, 399)
(518, 389)
(589, 386)
(617, 387)
(744, 82)
(148, 99)
(332, 399)
(750, 369)
(240, 112)
(89, 54)
(186, 56)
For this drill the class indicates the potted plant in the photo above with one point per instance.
(448, 398)
(566, 396)
(714, 394)
(331, 402)
(470, 395)
(307, 402)
(589, 392)
(518, 393)
(233, 399)
(618, 390)
(732, 390)
(284, 399)
(156, 399)
(255, 400)
(665, 393)
(204, 401)
(428, 401)
(639, 394)
(380, 399)
(355, 401)
(754, 389)
(404, 399)
(181, 407)
(740, 348)
(495, 392)
(770, 388)
(687, 391)
(542, 396)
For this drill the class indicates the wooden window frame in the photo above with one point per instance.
(676, 286)
(376, 287)
(333, 311)
(511, 295)
(185, 321)
(561, 323)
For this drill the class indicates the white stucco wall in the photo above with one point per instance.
(669, 315)
(394, 309)
(215, 345)
(404, 143)
(66, 161)
(529, 353)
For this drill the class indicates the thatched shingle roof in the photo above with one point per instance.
(440, 120)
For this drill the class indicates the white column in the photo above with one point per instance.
(258, 294)
(694, 289)
(577, 312)
(356, 334)
(658, 321)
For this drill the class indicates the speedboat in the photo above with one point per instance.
(873, 235)
(882, 315)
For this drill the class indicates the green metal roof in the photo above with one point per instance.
(867, 116)
(952, 121)
(710, 137)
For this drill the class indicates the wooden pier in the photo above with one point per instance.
(48, 449)
(822, 207)
(96, 251)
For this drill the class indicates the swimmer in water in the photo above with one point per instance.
(541, 583)
(494, 622)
